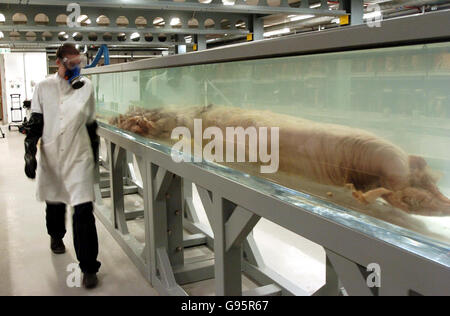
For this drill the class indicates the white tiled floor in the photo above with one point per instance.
(27, 267)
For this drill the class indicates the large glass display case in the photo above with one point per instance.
(367, 131)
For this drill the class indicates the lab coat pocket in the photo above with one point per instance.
(48, 178)
(48, 154)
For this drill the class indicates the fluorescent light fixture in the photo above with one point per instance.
(175, 21)
(77, 46)
(225, 2)
(158, 20)
(313, 6)
(84, 19)
(1, 35)
(372, 15)
(98, 19)
(337, 21)
(134, 35)
(277, 32)
(81, 18)
(2, 18)
(301, 17)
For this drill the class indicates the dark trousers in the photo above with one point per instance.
(84, 232)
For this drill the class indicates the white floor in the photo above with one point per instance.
(27, 266)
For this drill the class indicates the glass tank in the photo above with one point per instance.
(366, 130)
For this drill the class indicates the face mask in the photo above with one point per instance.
(73, 74)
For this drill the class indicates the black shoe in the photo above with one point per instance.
(57, 246)
(90, 280)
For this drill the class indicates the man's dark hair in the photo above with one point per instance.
(66, 49)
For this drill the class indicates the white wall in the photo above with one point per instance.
(2, 79)
(22, 71)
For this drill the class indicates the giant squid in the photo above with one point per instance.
(370, 166)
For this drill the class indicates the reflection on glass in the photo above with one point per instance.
(389, 109)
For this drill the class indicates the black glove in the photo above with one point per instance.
(30, 166)
(33, 130)
(95, 140)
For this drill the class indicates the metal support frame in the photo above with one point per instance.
(52, 11)
(116, 163)
(201, 42)
(234, 248)
(131, 184)
(352, 275)
(225, 18)
(38, 43)
(170, 269)
(403, 31)
(355, 8)
(240, 6)
(93, 34)
(331, 286)
(257, 27)
(168, 209)
(350, 244)
(172, 210)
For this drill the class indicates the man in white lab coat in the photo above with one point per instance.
(63, 117)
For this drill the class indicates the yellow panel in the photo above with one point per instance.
(344, 20)
(250, 37)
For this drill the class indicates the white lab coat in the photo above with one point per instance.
(65, 171)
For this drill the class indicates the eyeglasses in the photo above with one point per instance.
(71, 63)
